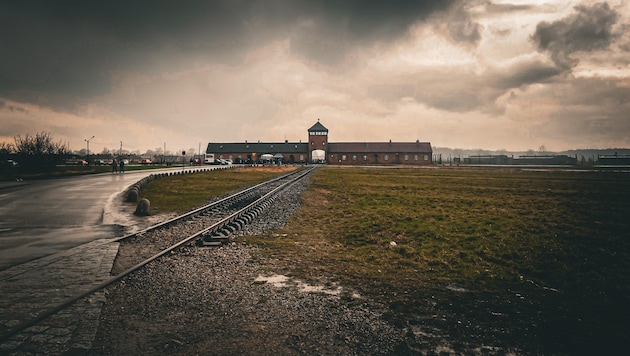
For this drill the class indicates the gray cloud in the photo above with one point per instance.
(588, 110)
(70, 46)
(190, 68)
(523, 74)
(588, 30)
(604, 94)
(341, 26)
(460, 25)
(463, 90)
(456, 101)
(504, 8)
(455, 91)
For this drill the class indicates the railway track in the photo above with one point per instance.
(207, 226)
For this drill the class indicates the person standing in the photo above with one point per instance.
(114, 165)
(122, 166)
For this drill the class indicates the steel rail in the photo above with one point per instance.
(164, 224)
(204, 208)
(215, 227)
(269, 196)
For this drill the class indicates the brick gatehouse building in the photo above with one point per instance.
(318, 150)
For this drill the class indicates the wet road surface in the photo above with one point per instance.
(39, 218)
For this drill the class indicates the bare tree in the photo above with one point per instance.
(6, 148)
(40, 144)
(39, 152)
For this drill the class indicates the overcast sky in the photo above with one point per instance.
(493, 74)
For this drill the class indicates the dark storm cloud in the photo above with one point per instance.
(505, 8)
(341, 26)
(70, 47)
(524, 74)
(588, 30)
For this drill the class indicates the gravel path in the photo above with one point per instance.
(225, 301)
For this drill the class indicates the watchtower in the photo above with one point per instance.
(318, 143)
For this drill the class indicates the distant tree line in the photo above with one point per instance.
(41, 153)
(38, 153)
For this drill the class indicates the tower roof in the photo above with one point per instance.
(318, 127)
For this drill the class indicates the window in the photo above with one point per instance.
(426, 157)
(386, 157)
(365, 157)
(343, 157)
(354, 157)
(301, 157)
(312, 143)
(230, 157)
(406, 157)
(220, 156)
(415, 157)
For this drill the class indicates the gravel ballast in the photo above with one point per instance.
(226, 301)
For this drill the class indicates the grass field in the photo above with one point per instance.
(180, 193)
(537, 262)
(523, 261)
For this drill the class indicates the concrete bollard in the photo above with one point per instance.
(143, 207)
(132, 195)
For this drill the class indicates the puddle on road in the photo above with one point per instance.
(280, 281)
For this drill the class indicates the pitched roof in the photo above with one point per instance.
(318, 127)
(257, 147)
(380, 147)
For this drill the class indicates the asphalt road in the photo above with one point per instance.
(39, 218)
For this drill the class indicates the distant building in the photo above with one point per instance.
(488, 159)
(614, 159)
(359, 153)
(318, 150)
(545, 159)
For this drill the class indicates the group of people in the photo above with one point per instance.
(116, 166)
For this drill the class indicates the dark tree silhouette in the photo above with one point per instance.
(39, 153)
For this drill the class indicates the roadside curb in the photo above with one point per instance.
(136, 188)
